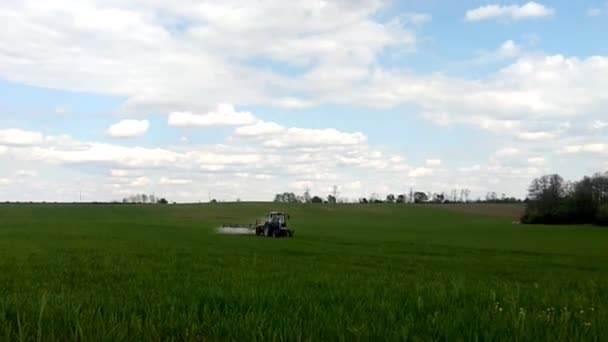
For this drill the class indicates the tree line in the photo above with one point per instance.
(552, 200)
(455, 196)
(144, 198)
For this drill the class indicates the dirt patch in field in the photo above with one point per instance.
(511, 211)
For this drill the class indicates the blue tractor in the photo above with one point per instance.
(275, 226)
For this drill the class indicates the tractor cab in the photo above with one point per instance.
(278, 219)
(275, 225)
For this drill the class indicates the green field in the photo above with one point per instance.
(373, 272)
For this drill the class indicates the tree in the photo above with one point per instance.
(163, 201)
(466, 193)
(307, 198)
(144, 198)
(601, 217)
(454, 197)
(420, 197)
(317, 199)
(334, 193)
(439, 198)
(373, 198)
(491, 197)
(286, 197)
(390, 198)
(546, 205)
(331, 199)
(401, 198)
(363, 200)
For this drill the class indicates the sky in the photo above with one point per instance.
(195, 99)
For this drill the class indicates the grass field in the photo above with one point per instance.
(373, 272)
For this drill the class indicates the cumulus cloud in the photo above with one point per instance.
(508, 50)
(140, 182)
(598, 11)
(223, 115)
(128, 128)
(174, 181)
(534, 136)
(119, 173)
(599, 125)
(433, 162)
(274, 135)
(420, 172)
(302, 137)
(26, 174)
(537, 161)
(417, 19)
(507, 152)
(514, 12)
(260, 129)
(200, 63)
(18, 137)
(585, 148)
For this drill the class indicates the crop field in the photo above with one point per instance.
(352, 272)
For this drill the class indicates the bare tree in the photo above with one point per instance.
(335, 191)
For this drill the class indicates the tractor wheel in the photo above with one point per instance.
(274, 233)
(289, 233)
(266, 230)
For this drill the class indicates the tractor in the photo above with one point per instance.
(275, 226)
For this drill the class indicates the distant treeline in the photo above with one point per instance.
(455, 196)
(552, 200)
(144, 198)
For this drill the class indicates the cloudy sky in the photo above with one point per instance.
(243, 99)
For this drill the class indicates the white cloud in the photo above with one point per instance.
(140, 182)
(260, 129)
(533, 136)
(128, 128)
(417, 19)
(174, 181)
(473, 168)
(18, 137)
(599, 125)
(26, 174)
(514, 12)
(301, 185)
(119, 173)
(306, 137)
(598, 11)
(433, 162)
(585, 148)
(223, 115)
(420, 172)
(507, 152)
(537, 161)
(201, 49)
(508, 50)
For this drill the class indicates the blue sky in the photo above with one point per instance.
(190, 97)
